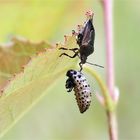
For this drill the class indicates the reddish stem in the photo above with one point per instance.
(112, 125)
(107, 5)
(108, 12)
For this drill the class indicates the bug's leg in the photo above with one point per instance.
(73, 49)
(80, 64)
(62, 48)
(76, 54)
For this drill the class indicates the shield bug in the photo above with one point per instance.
(85, 41)
(76, 81)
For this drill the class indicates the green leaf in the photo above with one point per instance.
(27, 87)
(15, 54)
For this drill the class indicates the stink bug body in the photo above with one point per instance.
(76, 81)
(85, 40)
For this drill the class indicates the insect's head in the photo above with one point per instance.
(70, 81)
(69, 84)
(70, 73)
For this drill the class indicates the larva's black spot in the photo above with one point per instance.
(82, 98)
(80, 87)
(86, 96)
(79, 76)
(79, 83)
(75, 72)
(79, 93)
(80, 102)
(79, 98)
(86, 86)
(77, 80)
(74, 77)
(83, 102)
(87, 102)
(82, 92)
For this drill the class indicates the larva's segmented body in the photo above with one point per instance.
(79, 84)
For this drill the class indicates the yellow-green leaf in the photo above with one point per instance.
(27, 87)
(15, 54)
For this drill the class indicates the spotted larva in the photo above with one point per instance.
(77, 81)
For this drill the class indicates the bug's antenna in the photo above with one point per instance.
(95, 64)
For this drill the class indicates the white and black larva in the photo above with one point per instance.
(77, 81)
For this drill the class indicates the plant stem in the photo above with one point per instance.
(108, 12)
(112, 125)
(109, 105)
(108, 6)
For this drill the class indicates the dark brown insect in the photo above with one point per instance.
(85, 40)
(76, 81)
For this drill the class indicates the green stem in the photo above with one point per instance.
(109, 104)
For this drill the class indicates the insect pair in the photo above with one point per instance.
(76, 80)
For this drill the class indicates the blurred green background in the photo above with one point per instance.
(56, 116)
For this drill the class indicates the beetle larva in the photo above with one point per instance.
(77, 81)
